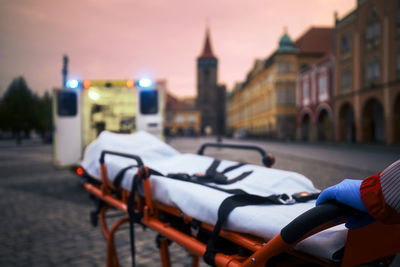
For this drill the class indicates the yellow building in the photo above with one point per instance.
(265, 103)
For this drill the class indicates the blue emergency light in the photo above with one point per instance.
(72, 84)
(144, 82)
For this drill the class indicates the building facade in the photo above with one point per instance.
(314, 101)
(265, 103)
(210, 96)
(367, 73)
(181, 117)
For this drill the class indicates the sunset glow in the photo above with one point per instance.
(156, 39)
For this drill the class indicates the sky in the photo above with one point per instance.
(158, 39)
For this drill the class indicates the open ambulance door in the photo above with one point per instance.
(67, 137)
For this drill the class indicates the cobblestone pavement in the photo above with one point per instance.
(45, 212)
(45, 218)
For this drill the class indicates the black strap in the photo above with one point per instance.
(120, 175)
(192, 179)
(237, 179)
(94, 215)
(212, 176)
(213, 167)
(240, 164)
(131, 213)
(134, 217)
(226, 207)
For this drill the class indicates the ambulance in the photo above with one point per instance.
(83, 109)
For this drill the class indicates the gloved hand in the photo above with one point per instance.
(348, 192)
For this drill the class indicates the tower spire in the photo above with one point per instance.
(207, 50)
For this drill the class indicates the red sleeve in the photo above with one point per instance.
(380, 194)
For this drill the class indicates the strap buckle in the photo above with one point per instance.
(286, 199)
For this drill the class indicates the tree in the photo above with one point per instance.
(43, 116)
(3, 116)
(18, 108)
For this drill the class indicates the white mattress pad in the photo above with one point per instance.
(201, 202)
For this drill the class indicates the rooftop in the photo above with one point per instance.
(286, 45)
(316, 40)
(175, 104)
(207, 50)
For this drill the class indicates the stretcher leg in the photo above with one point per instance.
(110, 250)
(164, 252)
(103, 223)
(195, 260)
(112, 256)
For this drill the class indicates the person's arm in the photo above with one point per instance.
(380, 194)
(377, 195)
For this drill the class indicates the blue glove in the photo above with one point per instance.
(348, 192)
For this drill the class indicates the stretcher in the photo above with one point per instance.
(228, 213)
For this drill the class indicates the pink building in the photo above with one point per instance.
(314, 101)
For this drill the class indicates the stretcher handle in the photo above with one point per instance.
(317, 216)
(137, 158)
(267, 159)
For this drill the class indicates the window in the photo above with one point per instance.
(346, 79)
(148, 102)
(169, 118)
(398, 13)
(179, 119)
(373, 30)
(285, 67)
(279, 96)
(398, 62)
(67, 103)
(192, 119)
(263, 106)
(372, 71)
(345, 43)
(290, 98)
(280, 67)
(322, 87)
(269, 103)
(306, 93)
(304, 67)
(285, 96)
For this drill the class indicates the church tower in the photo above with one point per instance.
(210, 97)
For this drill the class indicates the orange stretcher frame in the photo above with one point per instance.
(366, 244)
